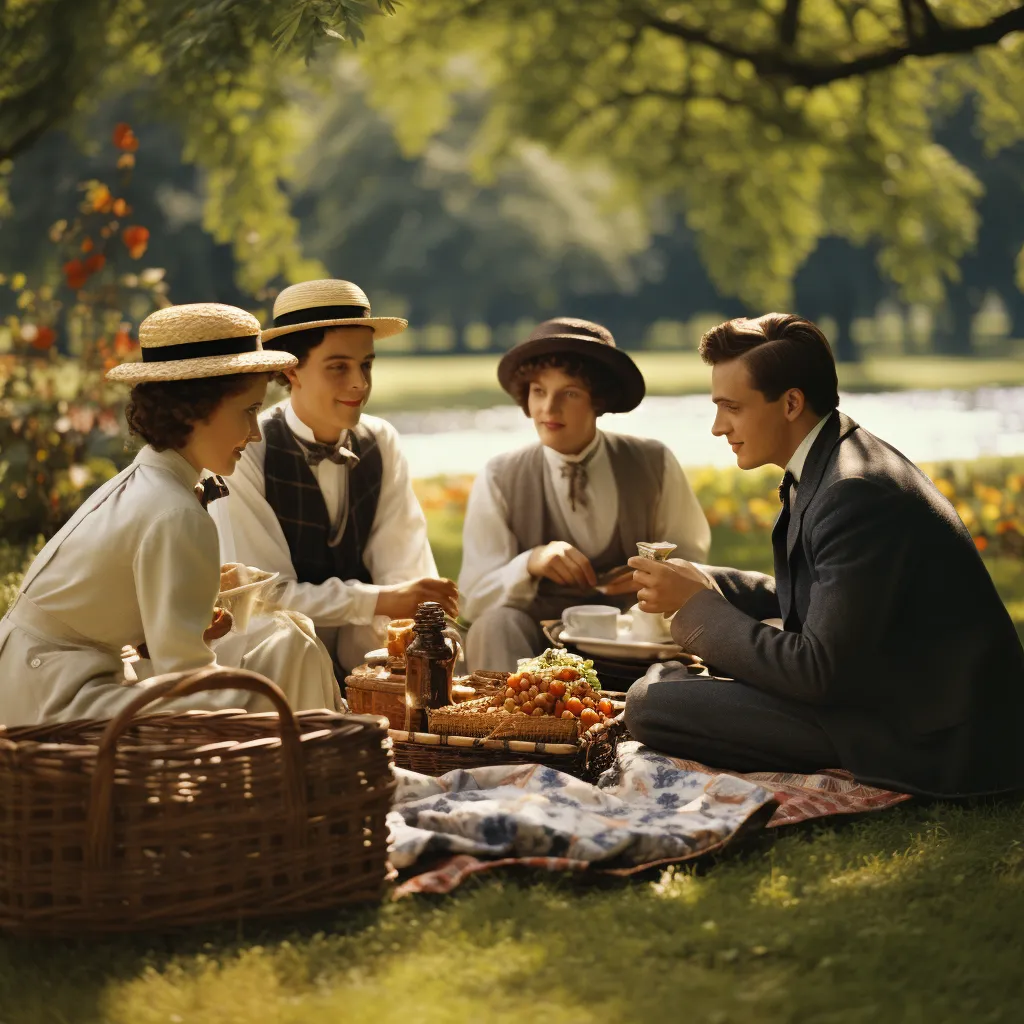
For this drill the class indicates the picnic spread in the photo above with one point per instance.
(171, 820)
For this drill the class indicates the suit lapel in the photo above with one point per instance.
(836, 428)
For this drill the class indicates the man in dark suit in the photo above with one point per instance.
(895, 659)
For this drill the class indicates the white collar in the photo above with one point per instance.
(555, 458)
(795, 466)
(172, 461)
(305, 433)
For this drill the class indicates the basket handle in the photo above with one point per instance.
(100, 811)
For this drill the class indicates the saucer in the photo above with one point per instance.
(624, 647)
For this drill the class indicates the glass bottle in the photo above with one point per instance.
(429, 661)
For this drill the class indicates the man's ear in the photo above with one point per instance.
(793, 404)
(293, 377)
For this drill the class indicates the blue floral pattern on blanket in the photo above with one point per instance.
(645, 808)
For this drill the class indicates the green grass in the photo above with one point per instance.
(469, 381)
(913, 915)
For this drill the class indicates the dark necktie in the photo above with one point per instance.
(785, 492)
(213, 487)
(578, 477)
(316, 451)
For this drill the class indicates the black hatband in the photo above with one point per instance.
(315, 313)
(202, 349)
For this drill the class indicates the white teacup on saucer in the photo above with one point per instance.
(649, 627)
(597, 621)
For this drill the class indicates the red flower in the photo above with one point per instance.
(87, 245)
(95, 263)
(44, 339)
(123, 342)
(981, 543)
(124, 137)
(136, 240)
(75, 274)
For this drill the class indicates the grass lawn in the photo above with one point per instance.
(911, 916)
(469, 381)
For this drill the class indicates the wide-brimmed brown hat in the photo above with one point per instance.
(582, 338)
(199, 339)
(328, 303)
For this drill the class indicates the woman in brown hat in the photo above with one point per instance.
(546, 524)
(138, 564)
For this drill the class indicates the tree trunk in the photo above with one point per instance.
(844, 347)
(953, 333)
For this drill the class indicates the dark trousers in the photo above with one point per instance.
(725, 723)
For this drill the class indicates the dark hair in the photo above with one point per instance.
(162, 412)
(782, 351)
(597, 380)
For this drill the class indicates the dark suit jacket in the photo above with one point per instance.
(894, 631)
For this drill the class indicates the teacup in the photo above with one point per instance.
(649, 627)
(598, 621)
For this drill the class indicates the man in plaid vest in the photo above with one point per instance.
(325, 497)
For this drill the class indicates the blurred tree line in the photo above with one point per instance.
(486, 162)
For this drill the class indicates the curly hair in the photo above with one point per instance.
(163, 412)
(591, 374)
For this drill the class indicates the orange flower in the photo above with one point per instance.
(123, 342)
(136, 240)
(121, 208)
(126, 161)
(95, 263)
(124, 137)
(101, 199)
(44, 339)
(75, 274)
(87, 244)
(981, 543)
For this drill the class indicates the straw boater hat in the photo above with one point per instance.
(201, 339)
(329, 303)
(583, 338)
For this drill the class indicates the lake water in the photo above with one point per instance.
(927, 426)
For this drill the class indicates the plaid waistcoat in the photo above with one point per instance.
(295, 496)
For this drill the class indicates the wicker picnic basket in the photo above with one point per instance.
(431, 754)
(378, 690)
(162, 821)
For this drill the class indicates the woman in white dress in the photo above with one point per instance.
(139, 562)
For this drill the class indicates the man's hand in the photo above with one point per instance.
(399, 600)
(666, 586)
(561, 563)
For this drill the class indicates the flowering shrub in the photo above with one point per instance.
(60, 424)
(988, 495)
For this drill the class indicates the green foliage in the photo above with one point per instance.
(770, 133)
(213, 69)
(538, 233)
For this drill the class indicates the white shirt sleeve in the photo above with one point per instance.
(679, 519)
(493, 569)
(397, 549)
(177, 577)
(250, 533)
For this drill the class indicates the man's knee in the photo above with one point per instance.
(639, 715)
(500, 621)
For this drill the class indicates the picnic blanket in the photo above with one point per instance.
(647, 809)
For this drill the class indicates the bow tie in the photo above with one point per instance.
(316, 451)
(578, 477)
(213, 487)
